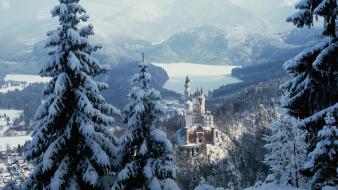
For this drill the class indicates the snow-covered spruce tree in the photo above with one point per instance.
(308, 9)
(72, 146)
(313, 84)
(277, 158)
(312, 90)
(144, 153)
(323, 160)
(204, 186)
(287, 153)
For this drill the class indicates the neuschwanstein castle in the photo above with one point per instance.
(198, 135)
(198, 125)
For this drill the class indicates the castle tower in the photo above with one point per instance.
(187, 92)
(202, 102)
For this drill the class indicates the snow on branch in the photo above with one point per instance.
(319, 115)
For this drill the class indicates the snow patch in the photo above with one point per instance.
(30, 79)
(13, 142)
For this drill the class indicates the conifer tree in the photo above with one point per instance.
(312, 90)
(286, 153)
(308, 9)
(144, 153)
(313, 85)
(323, 160)
(72, 146)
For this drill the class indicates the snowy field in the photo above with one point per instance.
(7, 117)
(19, 82)
(208, 77)
(13, 141)
(30, 79)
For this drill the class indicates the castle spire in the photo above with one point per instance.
(187, 88)
(187, 79)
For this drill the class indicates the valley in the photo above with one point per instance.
(150, 92)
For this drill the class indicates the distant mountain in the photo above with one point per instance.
(124, 31)
(160, 19)
(119, 50)
(273, 69)
(207, 44)
(297, 39)
(150, 20)
(302, 37)
(210, 44)
(237, 36)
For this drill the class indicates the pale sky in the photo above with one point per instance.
(152, 20)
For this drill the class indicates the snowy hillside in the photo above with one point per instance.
(18, 82)
(210, 44)
(11, 129)
(9, 118)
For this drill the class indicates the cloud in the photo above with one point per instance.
(152, 20)
(289, 2)
(261, 5)
(5, 4)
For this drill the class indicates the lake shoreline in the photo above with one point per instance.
(207, 77)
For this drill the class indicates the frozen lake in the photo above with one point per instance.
(208, 77)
